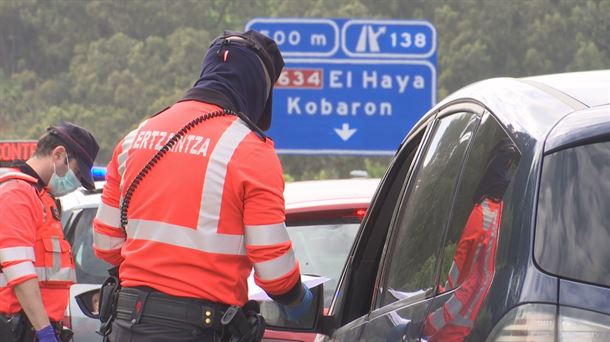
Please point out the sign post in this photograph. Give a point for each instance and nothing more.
(350, 87)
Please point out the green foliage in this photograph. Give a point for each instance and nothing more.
(109, 64)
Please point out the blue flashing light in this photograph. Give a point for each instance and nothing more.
(99, 173)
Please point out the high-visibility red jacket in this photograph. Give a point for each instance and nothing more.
(473, 269)
(32, 245)
(210, 210)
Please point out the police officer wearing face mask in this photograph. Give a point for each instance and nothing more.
(36, 267)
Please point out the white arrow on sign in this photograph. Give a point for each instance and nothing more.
(345, 132)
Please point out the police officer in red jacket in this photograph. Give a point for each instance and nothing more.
(36, 267)
(194, 202)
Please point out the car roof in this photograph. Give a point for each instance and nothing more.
(302, 194)
(329, 193)
(82, 198)
(591, 88)
(530, 107)
(582, 127)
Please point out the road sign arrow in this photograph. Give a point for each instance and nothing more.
(345, 132)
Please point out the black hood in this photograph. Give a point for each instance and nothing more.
(238, 73)
(496, 179)
(235, 71)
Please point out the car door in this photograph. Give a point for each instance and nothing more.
(90, 273)
(408, 276)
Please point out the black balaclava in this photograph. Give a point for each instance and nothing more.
(496, 178)
(235, 71)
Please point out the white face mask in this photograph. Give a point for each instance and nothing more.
(59, 186)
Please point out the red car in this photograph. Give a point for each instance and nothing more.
(322, 219)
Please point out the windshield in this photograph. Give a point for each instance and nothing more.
(321, 246)
(573, 223)
(322, 250)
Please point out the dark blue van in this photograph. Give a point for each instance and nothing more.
(491, 224)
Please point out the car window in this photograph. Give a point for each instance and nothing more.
(572, 230)
(89, 269)
(355, 293)
(485, 185)
(425, 209)
(322, 249)
(469, 252)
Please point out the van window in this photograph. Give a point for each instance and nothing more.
(425, 209)
(485, 186)
(572, 230)
(356, 293)
(469, 263)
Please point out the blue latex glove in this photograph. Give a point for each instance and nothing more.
(296, 312)
(47, 334)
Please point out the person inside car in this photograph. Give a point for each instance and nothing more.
(473, 265)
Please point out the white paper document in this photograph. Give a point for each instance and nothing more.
(256, 293)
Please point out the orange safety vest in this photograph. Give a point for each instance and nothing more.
(207, 213)
(32, 245)
(473, 267)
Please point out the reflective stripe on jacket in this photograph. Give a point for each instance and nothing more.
(472, 270)
(32, 245)
(207, 213)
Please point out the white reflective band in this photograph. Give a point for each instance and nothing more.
(56, 253)
(122, 157)
(462, 322)
(18, 270)
(106, 242)
(489, 217)
(437, 318)
(275, 268)
(454, 306)
(125, 147)
(266, 235)
(62, 274)
(214, 181)
(454, 274)
(43, 274)
(108, 215)
(201, 239)
(17, 253)
(487, 276)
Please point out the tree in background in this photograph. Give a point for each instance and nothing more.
(109, 64)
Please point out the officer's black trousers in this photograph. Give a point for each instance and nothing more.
(151, 331)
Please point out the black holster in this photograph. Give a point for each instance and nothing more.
(109, 293)
(244, 325)
(13, 328)
(17, 328)
(63, 334)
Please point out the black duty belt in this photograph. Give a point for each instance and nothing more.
(146, 305)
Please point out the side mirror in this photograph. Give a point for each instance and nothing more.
(89, 303)
(276, 319)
